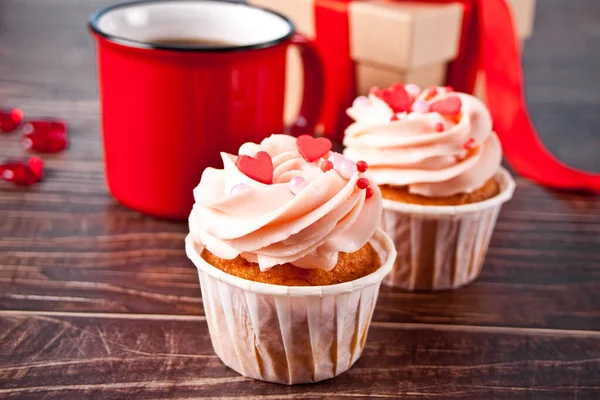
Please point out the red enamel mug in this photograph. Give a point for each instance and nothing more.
(181, 81)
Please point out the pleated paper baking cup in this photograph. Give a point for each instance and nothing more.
(289, 334)
(441, 247)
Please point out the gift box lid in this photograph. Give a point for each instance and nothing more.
(404, 35)
(407, 35)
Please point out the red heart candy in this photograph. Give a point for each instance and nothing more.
(259, 167)
(312, 148)
(450, 106)
(396, 97)
(45, 142)
(10, 120)
(23, 172)
(45, 126)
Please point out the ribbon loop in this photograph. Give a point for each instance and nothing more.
(488, 43)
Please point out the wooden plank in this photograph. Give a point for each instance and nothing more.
(541, 269)
(172, 287)
(99, 356)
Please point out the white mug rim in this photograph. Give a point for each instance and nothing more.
(94, 26)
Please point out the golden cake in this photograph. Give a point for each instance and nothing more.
(489, 189)
(350, 266)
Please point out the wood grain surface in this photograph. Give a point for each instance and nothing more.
(87, 355)
(99, 301)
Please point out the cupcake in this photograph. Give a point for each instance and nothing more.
(290, 258)
(437, 161)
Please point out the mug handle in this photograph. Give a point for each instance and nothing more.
(312, 98)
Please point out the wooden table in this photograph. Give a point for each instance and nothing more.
(98, 301)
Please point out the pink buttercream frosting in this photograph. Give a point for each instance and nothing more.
(405, 149)
(305, 222)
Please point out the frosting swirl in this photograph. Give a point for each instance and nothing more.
(422, 147)
(268, 224)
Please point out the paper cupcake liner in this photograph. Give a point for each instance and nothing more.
(441, 247)
(289, 334)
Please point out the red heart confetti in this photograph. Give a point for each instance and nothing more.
(45, 142)
(450, 106)
(312, 148)
(396, 97)
(258, 168)
(47, 135)
(10, 120)
(45, 126)
(23, 172)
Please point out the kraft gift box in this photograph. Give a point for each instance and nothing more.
(390, 41)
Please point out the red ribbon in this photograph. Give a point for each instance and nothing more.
(488, 43)
(333, 41)
(501, 61)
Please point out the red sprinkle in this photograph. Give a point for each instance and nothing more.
(439, 127)
(362, 183)
(362, 166)
(370, 193)
(326, 165)
(469, 144)
(449, 89)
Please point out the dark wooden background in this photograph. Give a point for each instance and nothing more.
(98, 301)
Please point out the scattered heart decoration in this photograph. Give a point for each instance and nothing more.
(258, 168)
(312, 149)
(40, 135)
(396, 97)
(23, 172)
(450, 106)
(45, 136)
